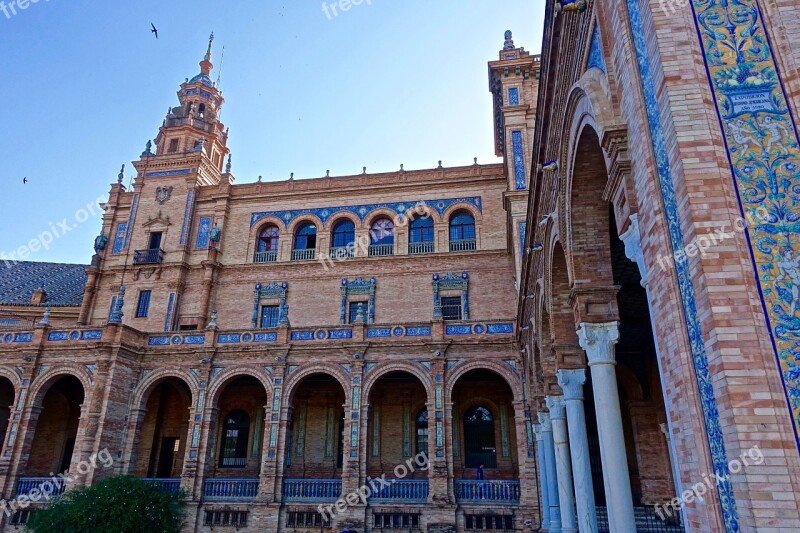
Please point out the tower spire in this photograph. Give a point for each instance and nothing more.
(205, 64)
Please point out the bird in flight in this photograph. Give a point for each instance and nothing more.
(154, 30)
(24, 180)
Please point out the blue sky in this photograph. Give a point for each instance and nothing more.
(84, 86)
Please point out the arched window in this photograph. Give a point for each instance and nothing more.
(382, 232)
(201, 109)
(479, 444)
(305, 242)
(344, 234)
(420, 236)
(268, 239)
(462, 232)
(422, 431)
(235, 432)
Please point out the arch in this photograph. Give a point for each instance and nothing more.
(14, 378)
(398, 219)
(268, 238)
(464, 224)
(304, 219)
(343, 230)
(562, 319)
(421, 229)
(461, 206)
(224, 378)
(146, 386)
(297, 377)
(338, 216)
(43, 382)
(382, 231)
(305, 236)
(630, 383)
(388, 367)
(479, 429)
(505, 372)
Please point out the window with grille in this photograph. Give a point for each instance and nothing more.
(353, 311)
(143, 307)
(269, 316)
(226, 518)
(489, 522)
(451, 308)
(422, 431)
(398, 521)
(233, 453)
(298, 519)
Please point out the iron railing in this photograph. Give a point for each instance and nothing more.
(487, 491)
(303, 255)
(647, 521)
(153, 256)
(341, 252)
(299, 490)
(230, 489)
(415, 248)
(44, 485)
(171, 484)
(381, 250)
(467, 245)
(402, 490)
(265, 257)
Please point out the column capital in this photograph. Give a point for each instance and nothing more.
(556, 406)
(544, 422)
(598, 340)
(633, 246)
(571, 382)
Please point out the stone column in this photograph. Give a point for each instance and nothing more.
(598, 340)
(633, 250)
(566, 494)
(571, 382)
(543, 480)
(552, 475)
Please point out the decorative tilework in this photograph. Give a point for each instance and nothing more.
(203, 233)
(131, 220)
(523, 228)
(229, 338)
(362, 211)
(449, 281)
(194, 339)
(23, 337)
(700, 359)
(358, 286)
(187, 216)
(765, 157)
(374, 333)
(519, 160)
(419, 331)
(458, 329)
(338, 334)
(57, 336)
(265, 337)
(170, 311)
(119, 238)
(596, 59)
(92, 335)
(160, 340)
(302, 336)
(513, 96)
(497, 329)
(167, 173)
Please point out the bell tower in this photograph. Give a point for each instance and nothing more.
(193, 129)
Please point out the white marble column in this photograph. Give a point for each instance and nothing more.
(543, 481)
(598, 340)
(550, 467)
(571, 382)
(633, 250)
(566, 494)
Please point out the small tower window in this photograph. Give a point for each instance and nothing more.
(201, 109)
(173, 146)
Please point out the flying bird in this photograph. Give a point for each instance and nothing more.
(154, 30)
(24, 181)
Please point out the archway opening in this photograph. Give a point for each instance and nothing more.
(163, 432)
(57, 428)
(7, 397)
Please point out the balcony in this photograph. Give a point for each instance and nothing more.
(303, 255)
(153, 256)
(416, 248)
(44, 485)
(341, 252)
(467, 245)
(230, 489)
(487, 491)
(265, 257)
(381, 250)
(164, 484)
(402, 490)
(311, 490)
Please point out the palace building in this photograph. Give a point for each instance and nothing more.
(599, 332)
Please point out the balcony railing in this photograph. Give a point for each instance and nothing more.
(153, 256)
(164, 484)
(230, 489)
(405, 490)
(467, 245)
(45, 485)
(487, 491)
(415, 248)
(647, 521)
(265, 257)
(300, 490)
(381, 250)
(303, 255)
(341, 252)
